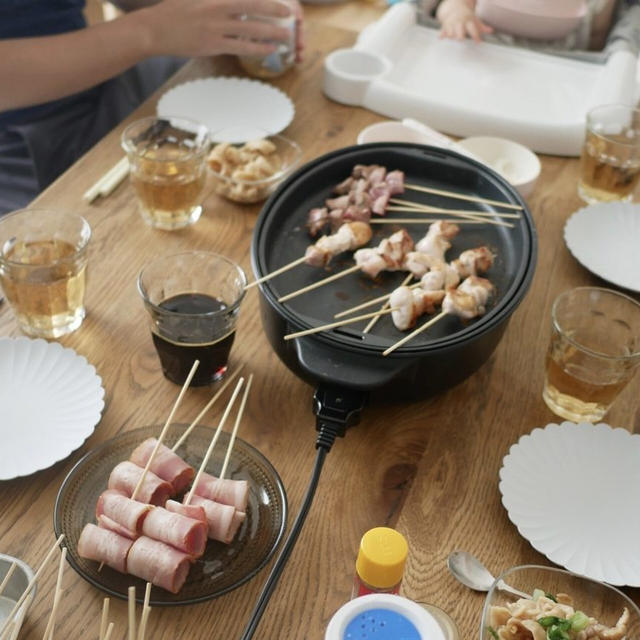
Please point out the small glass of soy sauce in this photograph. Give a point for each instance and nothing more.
(193, 299)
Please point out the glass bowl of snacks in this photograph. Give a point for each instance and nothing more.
(541, 603)
(249, 172)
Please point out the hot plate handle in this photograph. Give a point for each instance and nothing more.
(338, 407)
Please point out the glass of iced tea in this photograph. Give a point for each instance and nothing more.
(43, 263)
(610, 161)
(193, 300)
(594, 351)
(167, 169)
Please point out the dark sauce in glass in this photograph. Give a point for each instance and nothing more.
(181, 340)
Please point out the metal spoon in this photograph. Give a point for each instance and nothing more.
(468, 570)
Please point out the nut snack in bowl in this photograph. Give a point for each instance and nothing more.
(562, 606)
(250, 172)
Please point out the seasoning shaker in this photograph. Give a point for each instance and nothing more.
(380, 562)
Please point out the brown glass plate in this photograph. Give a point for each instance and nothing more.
(222, 567)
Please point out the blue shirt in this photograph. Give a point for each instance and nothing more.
(28, 18)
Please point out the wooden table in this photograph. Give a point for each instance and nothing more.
(429, 468)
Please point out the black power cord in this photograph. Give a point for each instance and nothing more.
(336, 410)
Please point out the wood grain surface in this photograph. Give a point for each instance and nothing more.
(429, 468)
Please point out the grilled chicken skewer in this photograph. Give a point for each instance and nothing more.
(467, 301)
(349, 236)
(389, 255)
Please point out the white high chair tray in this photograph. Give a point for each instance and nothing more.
(401, 69)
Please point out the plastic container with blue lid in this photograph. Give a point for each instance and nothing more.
(383, 617)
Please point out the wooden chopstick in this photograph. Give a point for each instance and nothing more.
(108, 182)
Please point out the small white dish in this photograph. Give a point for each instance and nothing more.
(50, 402)
(517, 164)
(15, 587)
(238, 104)
(392, 131)
(572, 492)
(603, 238)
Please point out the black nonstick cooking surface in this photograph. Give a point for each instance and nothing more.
(280, 236)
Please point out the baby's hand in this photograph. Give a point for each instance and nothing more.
(458, 20)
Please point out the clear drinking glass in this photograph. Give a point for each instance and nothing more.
(193, 300)
(283, 58)
(610, 162)
(594, 352)
(167, 169)
(43, 262)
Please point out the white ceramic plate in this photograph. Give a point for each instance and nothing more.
(248, 107)
(573, 491)
(50, 402)
(604, 239)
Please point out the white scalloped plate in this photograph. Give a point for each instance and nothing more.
(50, 402)
(573, 491)
(248, 107)
(604, 239)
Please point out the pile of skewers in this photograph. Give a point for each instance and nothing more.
(455, 286)
(141, 531)
(7, 628)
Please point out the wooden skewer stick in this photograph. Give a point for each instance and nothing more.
(414, 333)
(163, 433)
(370, 303)
(145, 612)
(460, 196)
(212, 444)
(467, 215)
(339, 323)
(208, 406)
(375, 319)
(429, 220)
(320, 283)
(57, 595)
(107, 636)
(104, 619)
(132, 613)
(7, 576)
(286, 267)
(410, 204)
(232, 439)
(33, 580)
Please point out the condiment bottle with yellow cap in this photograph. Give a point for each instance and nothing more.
(380, 563)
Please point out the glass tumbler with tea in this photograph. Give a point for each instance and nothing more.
(280, 60)
(43, 263)
(167, 169)
(610, 161)
(594, 352)
(193, 300)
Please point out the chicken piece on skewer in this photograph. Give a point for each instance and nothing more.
(473, 261)
(441, 276)
(469, 299)
(409, 304)
(389, 255)
(316, 220)
(436, 241)
(349, 236)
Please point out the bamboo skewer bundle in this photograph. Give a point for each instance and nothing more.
(214, 440)
(9, 620)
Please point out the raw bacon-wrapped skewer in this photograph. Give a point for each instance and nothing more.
(125, 477)
(348, 237)
(467, 301)
(166, 464)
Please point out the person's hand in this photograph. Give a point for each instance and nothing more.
(210, 27)
(458, 20)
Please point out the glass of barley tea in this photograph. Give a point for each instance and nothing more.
(43, 263)
(193, 300)
(167, 169)
(594, 351)
(610, 161)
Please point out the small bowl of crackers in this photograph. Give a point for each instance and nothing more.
(249, 172)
